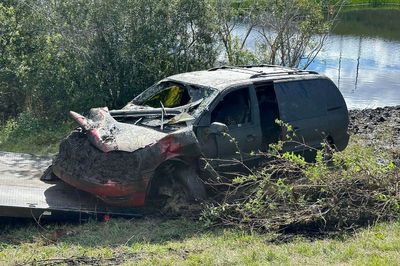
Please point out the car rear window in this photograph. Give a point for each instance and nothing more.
(301, 99)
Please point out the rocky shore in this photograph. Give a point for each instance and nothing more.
(379, 128)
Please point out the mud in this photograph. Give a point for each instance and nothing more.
(378, 128)
(78, 157)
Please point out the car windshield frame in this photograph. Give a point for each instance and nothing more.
(196, 92)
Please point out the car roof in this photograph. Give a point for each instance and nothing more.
(223, 77)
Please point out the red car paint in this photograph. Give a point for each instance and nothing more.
(113, 193)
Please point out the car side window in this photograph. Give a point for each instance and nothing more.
(234, 109)
(300, 100)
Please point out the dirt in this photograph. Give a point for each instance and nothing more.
(378, 128)
(79, 158)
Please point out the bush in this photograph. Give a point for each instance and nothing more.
(79, 54)
(32, 134)
(355, 187)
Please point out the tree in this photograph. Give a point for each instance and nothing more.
(77, 54)
(59, 55)
(289, 32)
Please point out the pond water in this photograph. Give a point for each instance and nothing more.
(362, 57)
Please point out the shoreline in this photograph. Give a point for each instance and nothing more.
(379, 129)
(362, 120)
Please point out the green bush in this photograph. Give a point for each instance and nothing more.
(78, 54)
(31, 134)
(355, 187)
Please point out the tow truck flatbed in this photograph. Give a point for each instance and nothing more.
(23, 194)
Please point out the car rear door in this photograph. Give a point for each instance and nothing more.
(302, 104)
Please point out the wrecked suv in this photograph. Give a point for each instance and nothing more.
(159, 141)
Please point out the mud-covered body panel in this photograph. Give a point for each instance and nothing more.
(117, 173)
(107, 134)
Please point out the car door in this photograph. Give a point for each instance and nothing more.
(238, 110)
(302, 104)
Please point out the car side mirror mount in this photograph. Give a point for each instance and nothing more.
(217, 128)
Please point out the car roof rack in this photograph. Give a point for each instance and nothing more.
(288, 72)
(242, 67)
(237, 68)
(260, 73)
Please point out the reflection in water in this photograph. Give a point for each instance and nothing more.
(375, 23)
(340, 59)
(362, 57)
(358, 64)
(367, 71)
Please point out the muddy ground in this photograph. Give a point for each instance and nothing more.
(379, 128)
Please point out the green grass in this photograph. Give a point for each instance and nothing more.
(156, 241)
(35, 135)
(181, 241)
(372, 2)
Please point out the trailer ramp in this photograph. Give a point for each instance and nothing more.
(23, 194)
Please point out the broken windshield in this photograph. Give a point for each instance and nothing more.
(171, 94)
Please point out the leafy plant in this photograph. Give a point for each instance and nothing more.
(351, 189)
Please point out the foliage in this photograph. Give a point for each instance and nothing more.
(30, 134)
(289, 32)
(355, 187)
(62, 55)
(228, 18)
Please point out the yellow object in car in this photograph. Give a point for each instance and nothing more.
(170, 97)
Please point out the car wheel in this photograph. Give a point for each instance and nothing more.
(174, 198)
(179, 192)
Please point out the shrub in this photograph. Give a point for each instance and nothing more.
(355, 187)
(32, 134)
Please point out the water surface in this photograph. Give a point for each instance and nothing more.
(362, 57)
(366, 70)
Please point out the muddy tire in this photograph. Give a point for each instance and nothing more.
(174, 199)
(177, 193)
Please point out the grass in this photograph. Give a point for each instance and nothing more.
(181, 241)
(34, 135)
(157, 241)
(372, 2)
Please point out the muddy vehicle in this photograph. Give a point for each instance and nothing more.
(178, 132)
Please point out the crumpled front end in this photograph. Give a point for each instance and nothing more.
(107, 134)
(116, 161)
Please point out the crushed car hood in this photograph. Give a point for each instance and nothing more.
(107, 134)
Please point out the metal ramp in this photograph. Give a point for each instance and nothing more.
(22, 194)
